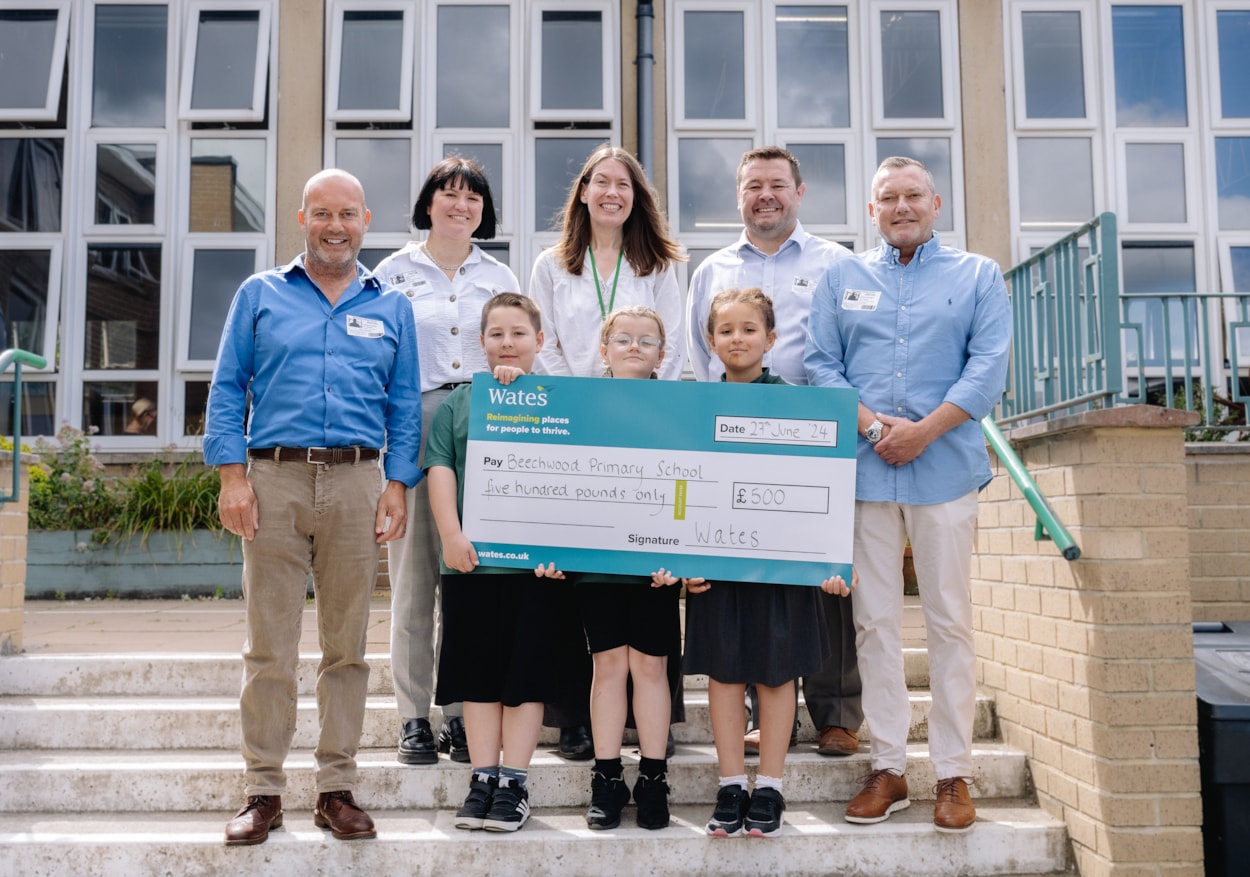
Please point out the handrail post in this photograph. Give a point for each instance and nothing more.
(18, 358)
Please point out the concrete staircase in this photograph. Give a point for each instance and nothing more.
(129, 765)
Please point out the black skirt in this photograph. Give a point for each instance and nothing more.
(741, 632)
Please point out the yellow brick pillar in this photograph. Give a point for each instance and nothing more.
(12, 555)
(1091, 662)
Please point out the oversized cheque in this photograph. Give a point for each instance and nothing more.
(746, 482)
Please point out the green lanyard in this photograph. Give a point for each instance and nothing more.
(603, 312)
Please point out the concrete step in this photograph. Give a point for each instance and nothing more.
(181, 722)
(1010, 838)
(204, 674)
(188, 780)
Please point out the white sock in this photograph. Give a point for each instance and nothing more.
(763, 782)
(740, 781)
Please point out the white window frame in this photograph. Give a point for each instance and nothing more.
(751, 27)
(1193, 180)
(401, 113)
(607, 109)
(949, 46)
(769, 58)
(856, 197)
(256, 111)
(55, 245)
(1225, 245)
(1214, 91)
(1090, 74)
(55, 72)
(1193, 105)
(507, 226)
(186, 277)
(97, 137)
(1097, 162)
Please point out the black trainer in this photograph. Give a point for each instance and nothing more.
(477, 804)
(509, 809)
(608, 796)
(651, 796)
(416, 743)
(732, 803)
(576, 744)
(452, 739)
(764, 815)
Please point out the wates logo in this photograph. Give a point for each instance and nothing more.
(504, 396)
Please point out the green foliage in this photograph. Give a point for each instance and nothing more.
(69, 491)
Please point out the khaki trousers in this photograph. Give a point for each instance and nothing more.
(312, 518)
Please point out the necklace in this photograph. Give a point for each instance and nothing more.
(594, 269)
(450, 269)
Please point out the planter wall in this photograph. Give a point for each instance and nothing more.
(68, 564)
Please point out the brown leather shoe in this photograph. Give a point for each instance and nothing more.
(954, 811)
(837, 741)
(251, 824)
(883, 793)
(338, 812)
(751, 742)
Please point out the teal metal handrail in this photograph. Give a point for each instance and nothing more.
(18, 358)
(1048, 523)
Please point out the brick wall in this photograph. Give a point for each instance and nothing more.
(1219, 529)
(1092, 662)
(12, 558)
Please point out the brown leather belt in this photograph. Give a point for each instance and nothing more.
(324, 456)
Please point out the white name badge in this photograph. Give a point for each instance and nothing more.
(860, 299)
(804, 285)
(363, 327)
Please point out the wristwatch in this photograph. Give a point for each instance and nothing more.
(873, 433)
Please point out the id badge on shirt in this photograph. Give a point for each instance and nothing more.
(362, 327)
(803, 286)
(860, 299)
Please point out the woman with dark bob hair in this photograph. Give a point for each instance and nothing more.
(615, 251)
(447, 278)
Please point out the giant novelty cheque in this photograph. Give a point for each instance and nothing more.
(744, 482)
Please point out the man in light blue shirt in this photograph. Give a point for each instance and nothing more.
(328, 356)
(775, 255)
(923, 332)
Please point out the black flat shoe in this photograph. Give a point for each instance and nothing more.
(452, 739)
(576, 743)
(416, 743)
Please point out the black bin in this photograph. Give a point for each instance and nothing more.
(1222, 660)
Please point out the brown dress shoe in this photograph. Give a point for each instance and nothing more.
(251, 824)
(837, 741)
(338, 812)
(954, 810)
(883, 793)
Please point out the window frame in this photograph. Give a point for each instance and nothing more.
(56, 67)
(1193, 179)
(507, 226)
(187, 248)
(607, 111)
(256, 111)
(97, 137)
(751, 24)
(54, 244)
(1023, 121)
(1225, 244)
(769, 61)
(404, 111)
(1211, 36)
(856, 186)
(949, 47)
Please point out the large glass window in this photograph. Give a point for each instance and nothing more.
(813, 80)
(128, 81)
(1160, 268)
(215, 277)
(382, 166)
(1155, 182)
(1232, 175)
(227, 185)
(125, 184)
(121, 407)
(1056, 181)
(911, 64)
(708, 170)
(31, 177)
(371, 64)
(823, 168)
(123, 307)
(491, 157)
(39, 415)
(1149, 46)
(24, 283)
(32, 58)
(1233, 34)
(571, 59)
(935, 154)
(714, 67)
(1054, 75)
(474, 84)
(225, 63)
(556, 164)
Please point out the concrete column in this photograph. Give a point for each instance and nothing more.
(1092, 662)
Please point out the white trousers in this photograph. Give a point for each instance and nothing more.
(941, 541)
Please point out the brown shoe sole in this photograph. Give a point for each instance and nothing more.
(321, 822)
(260, 839)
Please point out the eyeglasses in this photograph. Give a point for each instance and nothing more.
(624, 342)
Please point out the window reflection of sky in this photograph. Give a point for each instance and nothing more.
(129, 72)
(1155, 178)
(1232, 181)
(1149, 66)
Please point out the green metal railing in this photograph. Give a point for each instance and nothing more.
(1048, 523)
(18, 358)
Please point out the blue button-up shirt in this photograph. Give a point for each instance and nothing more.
(320, 376)
(908, 338)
